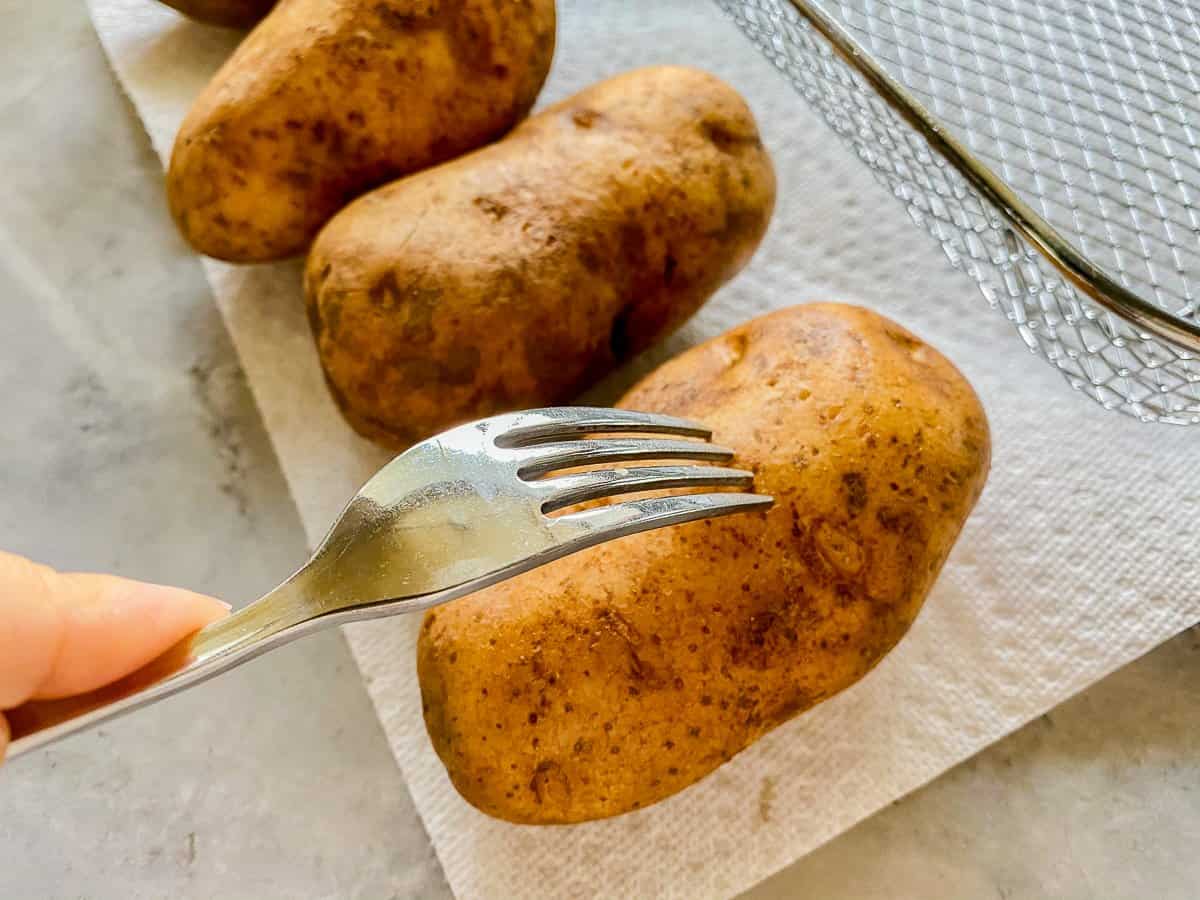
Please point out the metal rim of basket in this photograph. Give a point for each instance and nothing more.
(1061, 253)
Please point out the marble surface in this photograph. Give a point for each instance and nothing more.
(131, 444)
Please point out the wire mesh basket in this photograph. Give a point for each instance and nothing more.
(1052, 147)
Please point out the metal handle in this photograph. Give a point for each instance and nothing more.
(276, 619)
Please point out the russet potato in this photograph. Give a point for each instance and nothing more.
(611, 679)
(326, 99)
(518, 275)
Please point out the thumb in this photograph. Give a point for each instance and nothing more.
(63, 634)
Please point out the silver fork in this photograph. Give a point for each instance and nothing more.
(451, 515)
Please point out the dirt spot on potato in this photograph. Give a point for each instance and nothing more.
(404, 20)
(641, 670)
(855, 486)
(770, 629)
(493, 209)
(839, 549)
(669, 266)
(298, 179)
(590, 257)
(797, 701)
(738, 224)
(585, 118)
(384, 294)
(472, 42)
(415, 302)
(724, 138)
(901, 522)
(550, 784)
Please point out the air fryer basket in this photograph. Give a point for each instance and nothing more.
(1052, 147)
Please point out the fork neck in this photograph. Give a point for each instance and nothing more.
(263, 621)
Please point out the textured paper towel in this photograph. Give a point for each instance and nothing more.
(1079, 558)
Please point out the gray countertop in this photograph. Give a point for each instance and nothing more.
(131, 444)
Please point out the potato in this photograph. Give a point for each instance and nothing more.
(518, 275)
(326, 99)
(611, 679)
(230, 13)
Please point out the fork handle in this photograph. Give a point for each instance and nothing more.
(275, 619)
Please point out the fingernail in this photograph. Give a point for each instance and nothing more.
(228, 606)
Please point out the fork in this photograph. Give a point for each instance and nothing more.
(451, 515)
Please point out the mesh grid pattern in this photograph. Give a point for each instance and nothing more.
(1088, 109)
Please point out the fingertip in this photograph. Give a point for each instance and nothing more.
(5, 736)
(186, 605)
(113, 627)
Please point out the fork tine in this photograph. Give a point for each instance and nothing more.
(570, 421)
(594, 526)
(543, 458)
(567, 490)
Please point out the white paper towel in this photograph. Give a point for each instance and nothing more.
(1079, 558)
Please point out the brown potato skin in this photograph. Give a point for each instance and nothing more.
(518, 275)
(611, 679)
(228, 13)
(326, 99)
